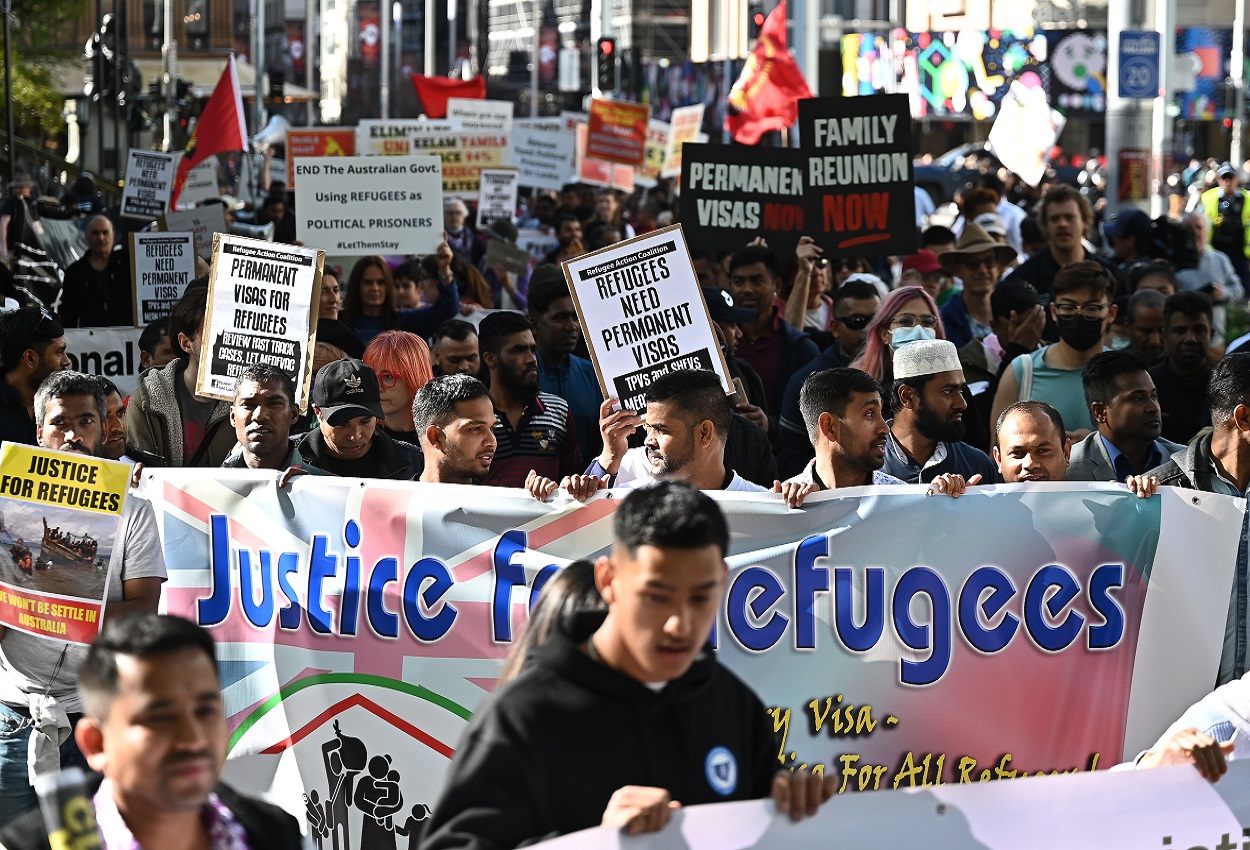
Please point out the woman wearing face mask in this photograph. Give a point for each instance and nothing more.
(906, 315)
(1082, 309)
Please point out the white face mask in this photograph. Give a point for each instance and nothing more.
(901, 336)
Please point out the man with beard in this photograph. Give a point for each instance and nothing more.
(454, 349)
(455, 419)
(32, 347)
(262, 413)
(1082, 309)
(1182, 377)
(534, 429)
(1125, 406)
(38, 677)
(569, 235)
(925, 434)
(687, 425)
(560, 371)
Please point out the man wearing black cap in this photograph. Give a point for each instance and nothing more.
(348, 403)
(1130, 233)
(1225, 207)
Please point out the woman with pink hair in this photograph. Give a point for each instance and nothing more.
(906, 315)
(402, 363)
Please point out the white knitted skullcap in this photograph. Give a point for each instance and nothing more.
(926, 357)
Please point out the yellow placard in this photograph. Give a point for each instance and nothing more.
(63, 479)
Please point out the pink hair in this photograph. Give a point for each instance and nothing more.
(403, 353)
(877, 359)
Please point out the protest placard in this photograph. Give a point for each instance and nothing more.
(642, 312)
(733, 193)
(542, 152)
(1024, 131)
(111, 352)
(60, 515)
(200, 186)
(149, 179)
(685, 122)
(497, 196)
(617, 131)
(600, 172)
(161, 266)
(262, 308)
(474, 114)
(513, 259)
(316, 141)
(370, 205)
(202, 221)
(653, 160)
(537, 243)
(860, 190)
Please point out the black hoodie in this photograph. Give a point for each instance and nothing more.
(545, 753)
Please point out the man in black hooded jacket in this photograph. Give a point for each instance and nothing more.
(622, 717)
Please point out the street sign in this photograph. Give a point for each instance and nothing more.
(1139, 64)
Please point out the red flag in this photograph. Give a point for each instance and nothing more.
(434, 92)
(221, 128)
(766, 95)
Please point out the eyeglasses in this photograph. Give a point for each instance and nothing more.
(907, 320)
(386, 380)
(1089, 311)
(854, 322)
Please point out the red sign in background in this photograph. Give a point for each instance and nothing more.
(49, 615)
(618, 131)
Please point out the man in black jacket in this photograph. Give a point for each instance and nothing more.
(681, 729)
(155, 727)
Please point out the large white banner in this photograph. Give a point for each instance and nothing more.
(111, 352)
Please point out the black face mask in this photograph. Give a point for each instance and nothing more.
(1080, 332)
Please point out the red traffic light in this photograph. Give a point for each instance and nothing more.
(605, 47)
(759, 19)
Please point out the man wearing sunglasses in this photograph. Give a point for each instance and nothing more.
(32, 347)
(1224, 205)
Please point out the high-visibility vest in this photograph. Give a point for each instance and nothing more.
(1211, 206)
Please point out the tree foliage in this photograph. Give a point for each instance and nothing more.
(39, 30)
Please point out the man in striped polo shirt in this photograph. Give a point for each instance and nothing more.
(534, 429)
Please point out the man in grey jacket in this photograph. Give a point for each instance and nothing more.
(1124, 405)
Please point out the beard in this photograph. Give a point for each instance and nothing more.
(934, 427)
(522, 386)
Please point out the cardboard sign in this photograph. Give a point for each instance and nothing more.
(318, 141)
(497, 196)
(370, 205)
(1024, 131)
(161, 266)
(200, 186)
(599, 172)
(474, 114)
(860, 189)
(62, 514)
(262, 308)
(657, 145)
(685, 122)
(376, 137)
(543, 152)
(202, 221)
(732, 193)
(149, 179)
(642, 311)
(499, 253)
(618, 131)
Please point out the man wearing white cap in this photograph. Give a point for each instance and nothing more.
(926, 433)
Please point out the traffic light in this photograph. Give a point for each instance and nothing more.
(605, 65)
(755, 19)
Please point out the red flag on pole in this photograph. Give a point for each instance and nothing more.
(434, 92)
(221, 128)
(766, 96)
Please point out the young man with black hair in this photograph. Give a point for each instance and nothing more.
(534, 429)
(569, 236)
(774, 348)
(1185, 372)
(561, 372)
(455, 419)
(687, 425)
(1145, 325)
(454, 349)
(682, 729)
(155, 347)
(166, 418)
(155, 728)
(1219, 462)
(114, 446)
(1125, 407)
(38, 675)
(262, 414)
(32, 347)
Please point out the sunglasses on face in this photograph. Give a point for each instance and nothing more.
(854, 322)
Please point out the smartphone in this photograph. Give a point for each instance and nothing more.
(740, 396)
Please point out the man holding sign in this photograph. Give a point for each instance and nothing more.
(38, 674)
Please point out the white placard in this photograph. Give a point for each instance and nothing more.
(476, 114)
(149, 179)
(111, 352)
(496, 198)
(201, 184)
(161, 266)
(1024, 131)
(685, 121)
(643, 315)
(356, 205)
(536, 242)
(262, 306)
(543, 152)
(391, 137)
(202, 221)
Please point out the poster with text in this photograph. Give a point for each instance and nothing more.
(860, 193)
(316, 141)
(1024, 131)
(393, 137)
(542, 152)
(262, 308)
(685, 122)
(497, 197)
(657, 145)
(161, 266)
(111, 352)
(600, 172)
(617, 131)
(642, 311)
(475, 114)
(60, 514)
(370, 205)
(200, 186)
(203, 222)
(149, 179)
